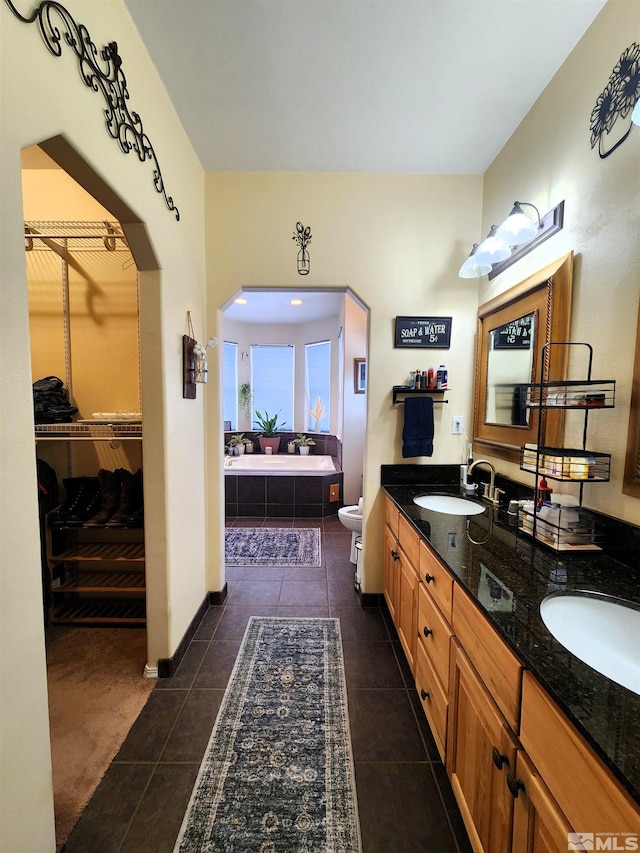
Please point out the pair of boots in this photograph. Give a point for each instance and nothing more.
(121, 499)
(112, 499)
(81, 502)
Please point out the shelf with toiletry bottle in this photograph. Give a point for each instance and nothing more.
(422, 382)
(563, 523)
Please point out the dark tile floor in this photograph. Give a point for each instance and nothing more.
(404, 797)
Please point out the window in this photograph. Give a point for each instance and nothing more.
(230, 384)
(317, 383)
(272, 375)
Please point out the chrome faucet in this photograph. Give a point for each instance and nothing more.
(491, 494)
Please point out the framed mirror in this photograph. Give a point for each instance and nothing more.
(512, 330)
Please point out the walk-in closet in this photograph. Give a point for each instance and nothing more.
(83, 311)
(85, 360)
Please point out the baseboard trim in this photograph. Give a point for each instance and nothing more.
(218, 597)
(370, 599)
(150, 671)
(168, 666)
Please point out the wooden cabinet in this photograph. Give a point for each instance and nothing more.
(407, 612)
(481, 749)
(579, 781)
(434, 633)
(434, 698)
(391, 572)
(539, 826)
(437, 578)
(496, 664)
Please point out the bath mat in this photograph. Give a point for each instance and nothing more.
(272, 546)
(278, 774)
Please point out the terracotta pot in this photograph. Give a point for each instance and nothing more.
(273, 443)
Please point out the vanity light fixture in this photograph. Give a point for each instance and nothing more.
(240, 300)
(635, 115)
(492, 250)
(471, 268)
(296, 302)
(517, 227)
(518, 235)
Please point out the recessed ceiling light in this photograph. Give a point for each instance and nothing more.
(240, 300)
(296, 301)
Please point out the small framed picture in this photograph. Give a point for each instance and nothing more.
(359, 375)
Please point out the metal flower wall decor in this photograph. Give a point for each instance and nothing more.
(616, 100)
(302, 237)
(102, 72)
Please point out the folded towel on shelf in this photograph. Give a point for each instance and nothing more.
(417, 433)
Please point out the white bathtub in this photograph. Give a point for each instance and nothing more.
(281, 463)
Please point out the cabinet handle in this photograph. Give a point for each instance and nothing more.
(428, 578)
(514, 785)
(424, 695)
(395, 556)
(426, 631)
(499, 759)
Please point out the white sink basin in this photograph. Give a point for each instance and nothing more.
(603, 632)
(449, 504)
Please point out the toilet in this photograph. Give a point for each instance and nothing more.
(351, 518)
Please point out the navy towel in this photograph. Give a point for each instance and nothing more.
(417, 435)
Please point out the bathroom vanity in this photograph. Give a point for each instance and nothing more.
(536, 743)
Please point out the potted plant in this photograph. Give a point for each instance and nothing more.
(238, 442)
(304, 442)
(268, 427)
(245, 399)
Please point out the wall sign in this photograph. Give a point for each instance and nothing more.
(514, 335)
(423, 332)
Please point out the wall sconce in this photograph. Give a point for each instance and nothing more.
(194, 361)
(513, 239)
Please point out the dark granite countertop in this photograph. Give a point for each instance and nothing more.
(509, 575)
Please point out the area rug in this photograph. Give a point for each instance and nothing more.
(272, 546)
(277, 775)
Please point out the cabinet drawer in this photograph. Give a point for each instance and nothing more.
(433, 699)
(437, 578)
(409, 540)
(496, 664)
(580, 782)
(434, 634)
(391, 514)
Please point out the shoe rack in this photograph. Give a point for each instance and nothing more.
(96, 571)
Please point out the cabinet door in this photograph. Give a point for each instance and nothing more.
(407, 617)
(481, 749)
(438, 579)
(434, 634)
(538, 824)
(432, 697)
(391, 573)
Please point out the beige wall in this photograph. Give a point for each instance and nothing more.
(397, 242)
(548, 159)
(43, 97)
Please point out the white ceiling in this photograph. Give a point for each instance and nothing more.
(383, 86)
(274, 306)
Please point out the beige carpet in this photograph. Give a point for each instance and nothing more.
(96, 691)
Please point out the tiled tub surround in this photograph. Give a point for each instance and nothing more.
(607, 714)
(283, 496)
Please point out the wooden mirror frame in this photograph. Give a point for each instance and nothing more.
(631, 481)
(547, 294)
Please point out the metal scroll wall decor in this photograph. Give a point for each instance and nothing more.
(617, 100)
(302, 237)
(102, 72)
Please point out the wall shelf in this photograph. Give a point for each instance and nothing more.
(413, 392)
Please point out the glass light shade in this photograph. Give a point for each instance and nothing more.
(635, 115)
(517, 229)
(492, 250)
(471, 268)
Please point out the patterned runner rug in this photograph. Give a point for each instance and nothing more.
(272, 546)
(277, 775)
